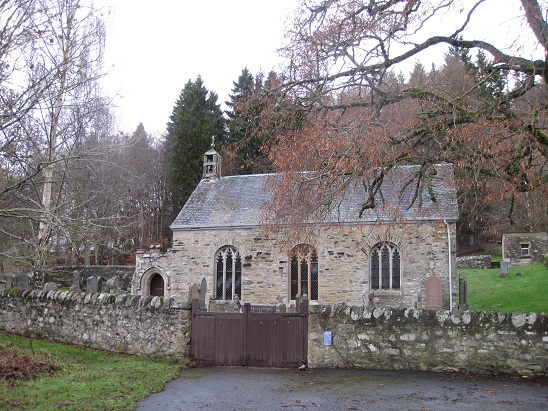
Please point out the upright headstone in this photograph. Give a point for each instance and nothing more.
(194, 292)
(434, 299)
(22, 281)
(202, 293)
(113, 285)
(10, 281)
(50, 287)
(76, 279)
(504, 268)
(94, 284)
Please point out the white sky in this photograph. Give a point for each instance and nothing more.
(153, 48)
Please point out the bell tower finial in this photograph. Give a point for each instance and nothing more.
(212, 163)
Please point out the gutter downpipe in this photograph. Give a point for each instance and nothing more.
(450, 266)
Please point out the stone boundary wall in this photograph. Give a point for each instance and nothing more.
(474, 261)
(385, 338)
(374, 338)
(64, 276)
(150, 326)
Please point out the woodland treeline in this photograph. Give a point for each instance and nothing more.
(75, 191)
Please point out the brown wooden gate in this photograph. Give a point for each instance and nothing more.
(254, 339)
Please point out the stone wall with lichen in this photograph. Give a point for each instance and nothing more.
(474, 261)
(387, 338)
(375, 338)
(134, 325)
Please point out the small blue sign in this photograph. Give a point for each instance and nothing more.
(327, 338)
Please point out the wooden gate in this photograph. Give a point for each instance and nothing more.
(252, 338)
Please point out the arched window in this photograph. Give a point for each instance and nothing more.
(228, 274)
(385, 267)
(157, 285)
(304, 272)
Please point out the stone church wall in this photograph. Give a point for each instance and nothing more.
(343, 260)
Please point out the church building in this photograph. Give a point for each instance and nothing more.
(398, 254)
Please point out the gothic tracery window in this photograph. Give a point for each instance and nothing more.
(304, 272)
(385, 267)
(228, 274)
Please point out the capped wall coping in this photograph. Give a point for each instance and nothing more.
(99, 299)
(442, 317)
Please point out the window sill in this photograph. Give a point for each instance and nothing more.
(385, 292)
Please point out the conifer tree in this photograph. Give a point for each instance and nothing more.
(196, 118)
(239, 119)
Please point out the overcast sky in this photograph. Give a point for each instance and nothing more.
(153, 48)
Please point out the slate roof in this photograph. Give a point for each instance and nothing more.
(235, 201)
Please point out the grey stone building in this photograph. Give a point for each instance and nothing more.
(394, 255)
(524, 248)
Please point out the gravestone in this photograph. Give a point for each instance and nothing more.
(50, 287)
(202, 293)
(77, 279)
(113, 285)
(22, 281)
(194, 292)
(504, 268)
(434, 299)
(94, 284)
(10, 282)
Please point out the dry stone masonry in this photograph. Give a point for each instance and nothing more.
(389, 338)
(376, 338)
(150, 326)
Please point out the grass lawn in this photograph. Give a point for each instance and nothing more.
(488, 291)
(77, 378)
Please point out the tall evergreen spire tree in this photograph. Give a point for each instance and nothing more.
(195, 119)
(238, 122)
(259, 113)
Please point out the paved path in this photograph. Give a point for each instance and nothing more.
(260, 389)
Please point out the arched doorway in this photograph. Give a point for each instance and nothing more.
(157, 285)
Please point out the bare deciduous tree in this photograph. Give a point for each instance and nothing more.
(342, 62)
(50, 63)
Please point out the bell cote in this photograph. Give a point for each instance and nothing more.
(212, 163)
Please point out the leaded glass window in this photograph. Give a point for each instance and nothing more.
(304, 272)
(228, 274)
(385, 267)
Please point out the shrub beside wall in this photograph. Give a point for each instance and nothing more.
(134, 325)
(385, 338)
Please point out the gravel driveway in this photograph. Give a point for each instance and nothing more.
(227, 388)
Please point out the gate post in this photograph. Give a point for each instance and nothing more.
(303, 309)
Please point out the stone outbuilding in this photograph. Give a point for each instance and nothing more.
(524, 248)
(394, 255)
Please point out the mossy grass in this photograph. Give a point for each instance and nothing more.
(86, 379)
(524, 290)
